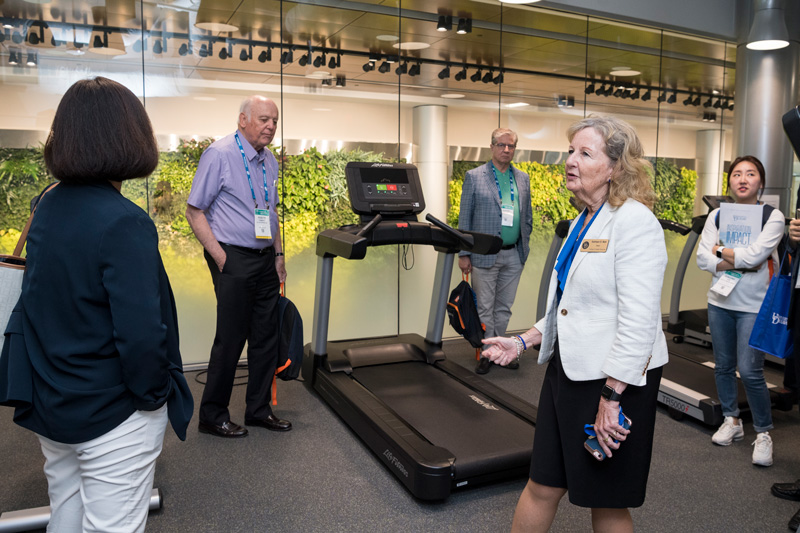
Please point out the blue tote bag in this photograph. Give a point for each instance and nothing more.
(770, 332)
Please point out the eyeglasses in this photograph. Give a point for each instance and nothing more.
(503, 146)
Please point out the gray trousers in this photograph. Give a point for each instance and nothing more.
(495, 289)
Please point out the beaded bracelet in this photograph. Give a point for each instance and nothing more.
(524, 346)
(518, 343)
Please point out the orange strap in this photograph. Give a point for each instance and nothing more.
(465, 276)
(477, 354)
(274, 390)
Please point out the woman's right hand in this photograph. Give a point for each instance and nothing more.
(501, 350)
(794, 231)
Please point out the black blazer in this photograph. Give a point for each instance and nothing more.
(94, 336)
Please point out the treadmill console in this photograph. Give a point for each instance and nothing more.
(384, 188)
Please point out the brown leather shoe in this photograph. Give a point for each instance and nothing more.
(228, 429)
(272, 423)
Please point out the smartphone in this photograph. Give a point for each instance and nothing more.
(797, 213)
(593, 447)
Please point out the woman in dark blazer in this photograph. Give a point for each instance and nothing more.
(91, 359)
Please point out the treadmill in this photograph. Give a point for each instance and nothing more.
(435, 425)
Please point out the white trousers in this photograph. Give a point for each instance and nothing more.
(495, 289)
(104, 485)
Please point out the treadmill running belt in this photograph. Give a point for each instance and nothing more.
(483, 437)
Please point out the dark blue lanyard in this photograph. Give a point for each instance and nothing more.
(247, 171)
(510, 181)
(567, 254)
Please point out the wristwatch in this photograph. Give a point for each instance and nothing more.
(719, 251)
(610, 394)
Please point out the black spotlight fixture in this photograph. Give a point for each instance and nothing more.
(319, 60)
(32, 59)
(13, 58)
(244, 55)
(374, 58)
(718, 103)
(327, 81)
(708, 103)
(402, 69)
(444, 73)
(186, 49)
(673, 97)
(688, 100)
(589, 88)
(368, 66)
(287, 56)
(139, 46)
(384, 68)
(646, 96)
(35, 38)
(635, 94)
(206, 51)
(225, 52)
(601, 90)
(618, 92)
(476, 77)
(341, 81)
(265, 55)
(158, 47)
(488, 76)
(662, 97)
(415, 69)
(332, 62)
(461, 74)
(696, 101)
(570, 101)
(498, 79)
(626, 93)
(303, 61)
(464, 26)
(445, 23)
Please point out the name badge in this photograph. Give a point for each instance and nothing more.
(727, 282)
(508, 215)
(263, 227)
(594, 245)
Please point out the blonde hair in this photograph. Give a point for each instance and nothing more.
(499, 132)
(623, 147)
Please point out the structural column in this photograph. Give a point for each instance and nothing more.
(709, 167)
(767, 86)
(429, 132)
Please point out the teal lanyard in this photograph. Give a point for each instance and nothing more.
(510, 183)
(247, 171)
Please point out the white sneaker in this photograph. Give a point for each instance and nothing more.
(728, 432)
(762, 451)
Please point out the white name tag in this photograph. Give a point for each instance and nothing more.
(508, 215)
(726, 282)
(263, 227)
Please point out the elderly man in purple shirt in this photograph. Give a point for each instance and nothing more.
(231, 210)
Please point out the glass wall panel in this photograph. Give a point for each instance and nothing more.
(372, 80)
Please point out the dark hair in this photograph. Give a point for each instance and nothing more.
(101, 132)
(750, 159)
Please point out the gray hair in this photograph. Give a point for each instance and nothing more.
(247, 105)
(499, 132)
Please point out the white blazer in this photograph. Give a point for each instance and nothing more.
(609, 320)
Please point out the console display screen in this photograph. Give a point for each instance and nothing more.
(384, 187)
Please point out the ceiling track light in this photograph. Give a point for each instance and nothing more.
(499, 78)
(462, 74)
(646, 96)
(708, 103)
(488, 77)
(601, 90)
(673, 97)
(160, 45)
(36, 38)
(476, 77)
(244, 55)
(265, 55)
(368, 66)
(227, 52)
(464, 26)
(618, 92)
(589, 88)
(445, 23)
(206, 50)
(385, 67)
(374, 58)
(335, 61)
(444, 73)
(402, 69)
(303, 61)
(635, 94)
(341, 81)
(696, 101)
(662, 97)
(688, 100)
(415, 69)
(718, 103)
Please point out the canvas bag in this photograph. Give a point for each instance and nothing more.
(12, 269)
(770, 332)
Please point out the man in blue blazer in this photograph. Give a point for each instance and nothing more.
(496, 199)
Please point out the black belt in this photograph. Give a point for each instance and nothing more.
(259, 251)
(509, 246)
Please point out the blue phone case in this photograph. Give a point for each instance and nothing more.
(593, 447)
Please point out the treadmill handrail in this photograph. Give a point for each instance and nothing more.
(468, 240)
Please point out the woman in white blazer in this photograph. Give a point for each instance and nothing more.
(601, 335)
(731, 316)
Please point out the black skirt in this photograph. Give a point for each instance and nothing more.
(559, 458)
